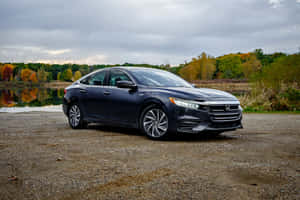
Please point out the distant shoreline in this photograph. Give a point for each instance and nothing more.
(22, 84)
(229, 85)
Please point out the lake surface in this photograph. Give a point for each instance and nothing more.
(30, 97)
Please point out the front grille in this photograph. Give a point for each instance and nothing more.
(224, 113)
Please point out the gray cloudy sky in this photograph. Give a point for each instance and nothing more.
(143, 31)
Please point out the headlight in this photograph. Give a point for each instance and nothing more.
(184, 103)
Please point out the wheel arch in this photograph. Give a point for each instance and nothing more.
(149, 102)
(71, 101)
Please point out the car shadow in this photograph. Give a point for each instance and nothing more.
(201, 137)
(178, 137)
(115, 130)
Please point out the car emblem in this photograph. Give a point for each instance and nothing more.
(227, 107)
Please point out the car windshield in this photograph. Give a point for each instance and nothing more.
(158, 78)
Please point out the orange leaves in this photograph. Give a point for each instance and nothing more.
(29, 95)
(28, 75)
(245, 56)
(25, 74)
(33, 77)
(7, 99)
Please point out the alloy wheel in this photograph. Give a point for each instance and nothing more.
(74, 115)
(155, 123)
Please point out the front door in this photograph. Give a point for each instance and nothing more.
(122, 101)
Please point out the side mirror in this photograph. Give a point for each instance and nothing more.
(126, 84)
(193, 84)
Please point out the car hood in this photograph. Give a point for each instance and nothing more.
(203, 93)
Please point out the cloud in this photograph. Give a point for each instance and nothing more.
(58, 52)
(88, 60)
(275, 3)
(151, 31)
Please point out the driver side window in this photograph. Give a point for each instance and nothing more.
(117, 75)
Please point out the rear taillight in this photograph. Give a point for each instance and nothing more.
(65, 91)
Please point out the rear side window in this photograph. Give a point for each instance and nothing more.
(117, 75)
(95, 79)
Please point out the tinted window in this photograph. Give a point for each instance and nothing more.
(117, 75)
(95, 79)
(158, 78)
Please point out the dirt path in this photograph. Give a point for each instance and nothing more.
(42, 158)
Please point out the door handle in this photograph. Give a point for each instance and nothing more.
(106, 92)
(83, 91)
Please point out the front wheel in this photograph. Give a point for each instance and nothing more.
(154, 122)
(75, 117)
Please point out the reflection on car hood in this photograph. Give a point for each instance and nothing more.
(204, 93)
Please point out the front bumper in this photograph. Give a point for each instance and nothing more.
(210, 119)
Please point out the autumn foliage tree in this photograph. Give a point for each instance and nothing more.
(207, 67)
(190, 71)
(7, 72)
(77, 75)
(202, 67)
(67, 75)
(251, 65)
(33, 77)
(28, 75)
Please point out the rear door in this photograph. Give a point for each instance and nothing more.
(92, 95)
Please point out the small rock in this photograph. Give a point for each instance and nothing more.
(58, 159)
(12, 178)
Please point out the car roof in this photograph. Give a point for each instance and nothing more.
(130, 68)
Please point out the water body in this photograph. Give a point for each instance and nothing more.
(31, 99)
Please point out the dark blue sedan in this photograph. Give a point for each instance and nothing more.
(155, 101)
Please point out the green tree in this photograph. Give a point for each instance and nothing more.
(285, 70)
(67, 75)
(59, 76)
(42, 75)
(230, 66)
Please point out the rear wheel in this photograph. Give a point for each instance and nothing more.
(75, 117)
(154, 122)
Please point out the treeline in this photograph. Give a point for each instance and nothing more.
(250, 65)
(40, 72)
(230, 66)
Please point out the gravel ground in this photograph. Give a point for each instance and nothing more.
(42, 158)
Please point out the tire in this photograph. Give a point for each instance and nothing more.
(75, 117)
(154, 122)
